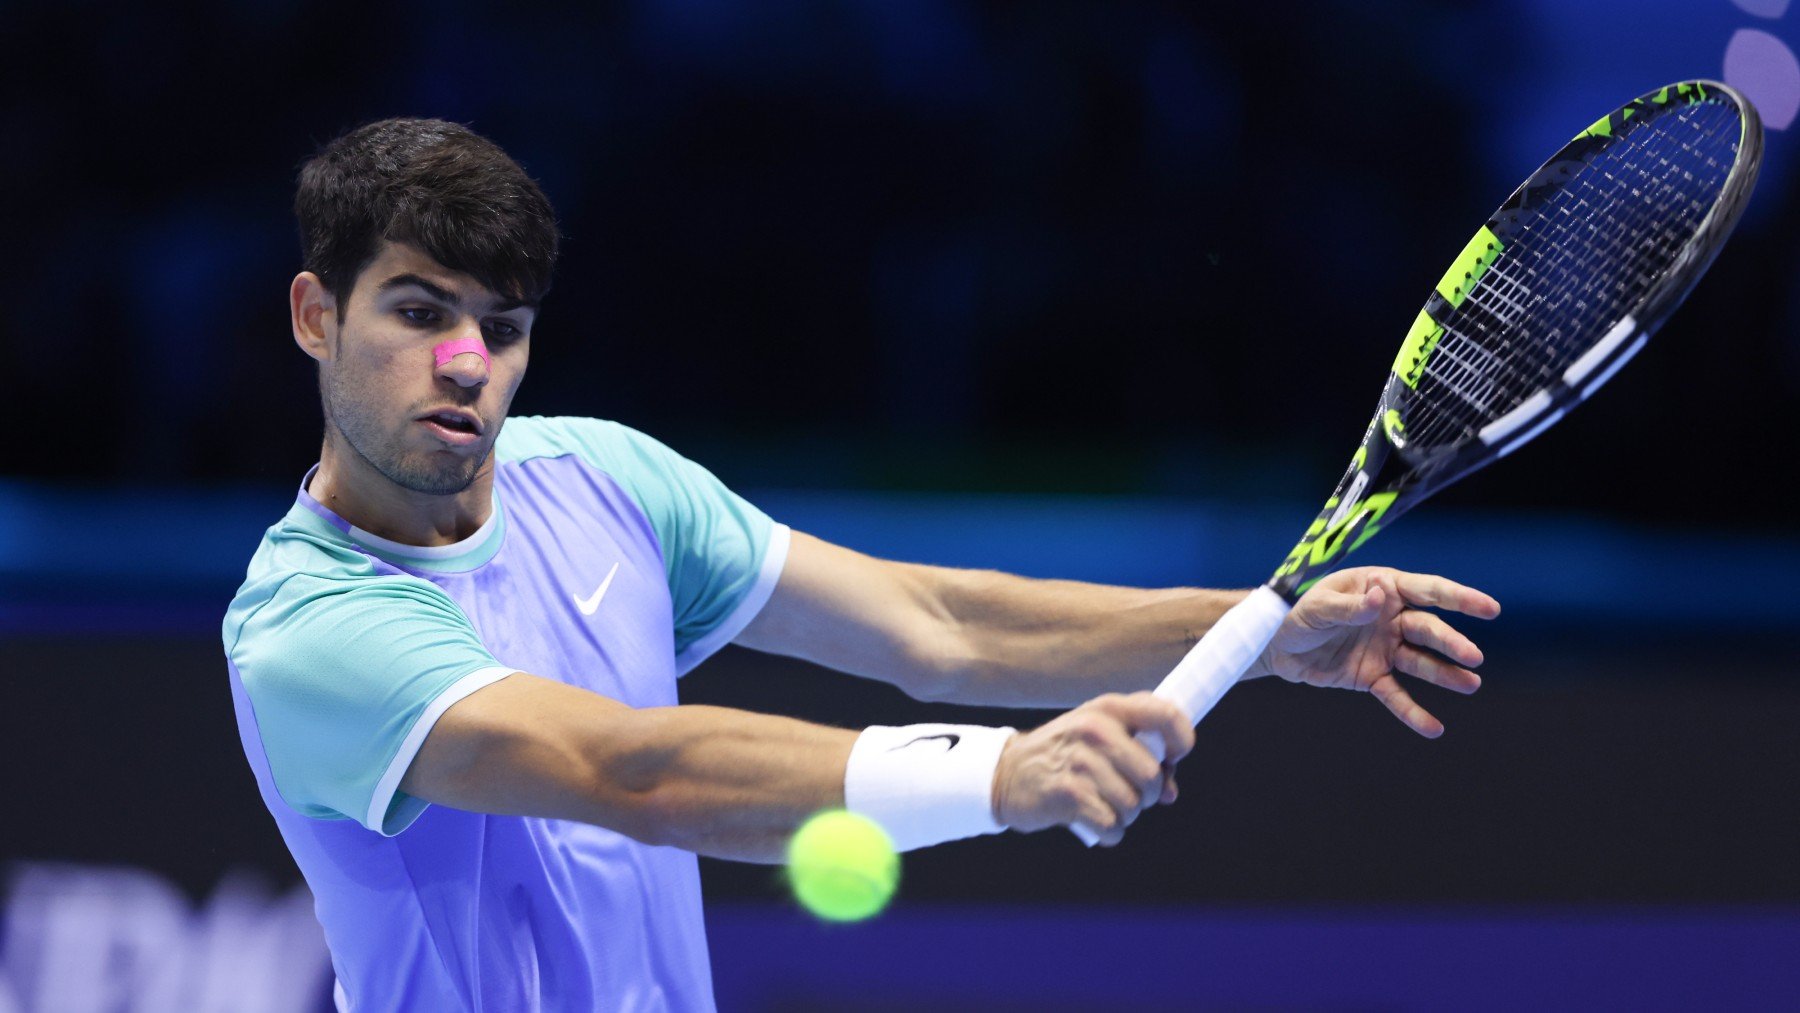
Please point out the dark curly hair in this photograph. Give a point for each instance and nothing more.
(435, 185)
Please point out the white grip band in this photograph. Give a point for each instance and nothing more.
(926, 784)
(1213, 666)
(1227, 651)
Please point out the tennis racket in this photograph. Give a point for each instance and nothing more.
(1561, 287)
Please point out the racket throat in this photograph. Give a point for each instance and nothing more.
(1359, 484)
(1351, 516)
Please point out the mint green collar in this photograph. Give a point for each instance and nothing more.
(457, 557)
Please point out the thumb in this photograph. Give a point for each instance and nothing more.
(1326, 609)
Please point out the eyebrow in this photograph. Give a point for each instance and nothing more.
(443, 294)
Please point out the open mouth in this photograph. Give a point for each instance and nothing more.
(454, 422)
(454, 426)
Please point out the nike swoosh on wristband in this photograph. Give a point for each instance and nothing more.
(588, 605)
(949, 737)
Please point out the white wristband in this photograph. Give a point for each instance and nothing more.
(926, 784)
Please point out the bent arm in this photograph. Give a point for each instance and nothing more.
(719, 782)
(977, 636)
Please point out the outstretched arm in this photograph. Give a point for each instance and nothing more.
(975, 636)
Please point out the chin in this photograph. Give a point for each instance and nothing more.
(434, 478)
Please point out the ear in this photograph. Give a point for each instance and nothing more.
(314, 313)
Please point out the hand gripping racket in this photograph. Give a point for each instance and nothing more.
(1563, 285)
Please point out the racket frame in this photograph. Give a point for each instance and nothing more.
(1386, 476)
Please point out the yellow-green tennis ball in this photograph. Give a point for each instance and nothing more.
(842, 866)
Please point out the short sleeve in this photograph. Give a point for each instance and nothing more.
(722, 554)
(346, 677)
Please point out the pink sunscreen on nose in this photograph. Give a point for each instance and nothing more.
(451, 349)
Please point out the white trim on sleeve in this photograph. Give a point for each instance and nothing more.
(409, 747)
(774, 558)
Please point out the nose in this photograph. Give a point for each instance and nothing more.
(463, 360)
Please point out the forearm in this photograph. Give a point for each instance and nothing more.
(725, 783)
(1055, 643)
(977, 636)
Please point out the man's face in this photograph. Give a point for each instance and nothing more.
(429, 428)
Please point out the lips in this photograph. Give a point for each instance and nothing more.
(455, 419)
(455, 426)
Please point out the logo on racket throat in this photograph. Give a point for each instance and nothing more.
(1340, 528)
(1357, 485)
(1395, 427)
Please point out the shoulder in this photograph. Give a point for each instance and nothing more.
(289, 553)
(646, 468)
(301, 586)
(599, 441)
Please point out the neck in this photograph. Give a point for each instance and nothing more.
(349, 486)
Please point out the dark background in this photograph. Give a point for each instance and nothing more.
(905, 273)
(1160, 248)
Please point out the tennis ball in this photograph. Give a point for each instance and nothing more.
(842, 866)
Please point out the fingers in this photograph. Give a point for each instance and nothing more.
(1123, 796)
(1087, 768)
(1102, 798)
(1110, 777)
(1147, 712)
(1435, 670)
(1432, 650)
(1114, 739)
(1394, 697)
(1439, 592)
(1428, 631)
(1327, 609)
(1101, 815)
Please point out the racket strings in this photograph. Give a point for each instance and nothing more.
(1597, 246)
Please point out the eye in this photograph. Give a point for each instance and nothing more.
(419, 315)
(503, 332)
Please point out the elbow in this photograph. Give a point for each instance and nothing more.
(947, 655)
(627, 787)
(650, 814)
(656, 818)
(940, 672)
(645, 794)
(934, 688)
(929, 691)
(675, 816)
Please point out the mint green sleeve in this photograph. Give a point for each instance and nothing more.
(722, 555)
(346, 676)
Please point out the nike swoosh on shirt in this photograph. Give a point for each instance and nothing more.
(589, 604)
(949, 737)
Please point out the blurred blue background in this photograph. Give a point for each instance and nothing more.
(1100, 291)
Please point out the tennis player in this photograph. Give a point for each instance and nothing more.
(454, 660)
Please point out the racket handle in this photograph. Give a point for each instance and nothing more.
(1213, 666)
(1227, 651)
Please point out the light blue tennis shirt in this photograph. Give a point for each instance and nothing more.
(609, 563)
